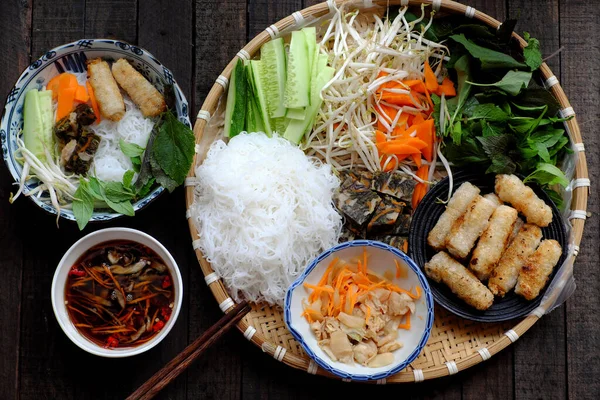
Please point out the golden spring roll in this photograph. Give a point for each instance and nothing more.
(456, 207)
(468, 227)
(494, 199)
(462, 282)
(516, 228)
(504, 277)
(512, 190)
(142, 92)
(493, 241)
(106, 91)
(537, 269)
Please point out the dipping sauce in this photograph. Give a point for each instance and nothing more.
(119, 294)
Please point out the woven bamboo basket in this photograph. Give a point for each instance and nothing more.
(455, 344)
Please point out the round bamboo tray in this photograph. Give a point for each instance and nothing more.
(455, 344)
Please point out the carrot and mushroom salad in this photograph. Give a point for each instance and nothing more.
(356, 314)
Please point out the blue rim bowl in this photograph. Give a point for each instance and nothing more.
(414, 340)
(71, 57)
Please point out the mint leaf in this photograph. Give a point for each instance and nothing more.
(116, 192)
(488, 129)
(122, 207)
(127, 178)
(488, 112)
(547, 174)
(173, 149)
(532, 53)
(83, 204)
(490, 59)
(96, 189)
(130, 149)
(146, 188)
(511, 83)
(137, 163)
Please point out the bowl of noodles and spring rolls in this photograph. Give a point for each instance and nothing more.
(492, 249)
(96, 129)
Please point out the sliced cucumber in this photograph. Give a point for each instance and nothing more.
(47, 113)
(254, 121)
(258, 87)
(279, 125)
(297, 128)
(310, 34)
(273, 72)
(235, 110)
(35, 134)
(296, 113)
(297, 86)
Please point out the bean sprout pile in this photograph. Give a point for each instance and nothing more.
(367, 51)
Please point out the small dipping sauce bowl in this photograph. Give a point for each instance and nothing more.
(61, 275)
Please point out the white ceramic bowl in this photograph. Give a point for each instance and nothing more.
(381, 259)
(73, 254)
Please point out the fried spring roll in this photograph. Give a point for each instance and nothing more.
(512, 190)
(468, 227)
(537, 269)
(456, 207)
(494, 199)
(516, 228)
(106, 91)
(142, 92)
(462, 282)
(504, 277)
(493, 241)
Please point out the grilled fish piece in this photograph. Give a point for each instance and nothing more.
(396, 184)
(357, 204)
(386, 215)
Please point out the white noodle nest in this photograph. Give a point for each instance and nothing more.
(263, 211)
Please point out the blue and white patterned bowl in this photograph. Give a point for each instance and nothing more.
(381, 259)
(72, 57)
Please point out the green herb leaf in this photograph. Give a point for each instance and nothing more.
(511, 83)
(161, 177)
(532, 53)
(173, 149)
(83, 204)
(456, 133)
(137, 163)
(96, 188)
(122, 207)
(555, 197)
(547, 174)
(127, 178)
(130, 149)
(146, 188)
(489, 112)
(116, 192)
(490, 59)
(501, 164)
(488, 129)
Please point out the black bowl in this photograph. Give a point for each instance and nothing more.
(426, 216)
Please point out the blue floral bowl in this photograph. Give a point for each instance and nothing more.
(381, 259)
(72, 57)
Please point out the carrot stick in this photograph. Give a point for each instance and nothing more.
(431, 83)
(66, 97)
(93, 101)
(397, 148)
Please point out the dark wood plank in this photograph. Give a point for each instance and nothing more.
(540, 373)
(56, 22)
(113, 19)
(579, 21)
(220, 32)
(262, 13)
(16, 18)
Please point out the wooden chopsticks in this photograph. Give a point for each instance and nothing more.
(184, 359)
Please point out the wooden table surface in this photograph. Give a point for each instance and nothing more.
(558, 358)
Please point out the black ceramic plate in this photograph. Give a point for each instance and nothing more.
(426, 216)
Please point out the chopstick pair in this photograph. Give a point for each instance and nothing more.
(193, 351)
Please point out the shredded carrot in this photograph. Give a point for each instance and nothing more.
(406, 324)
(342, 285)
